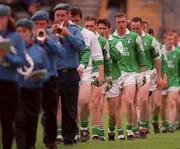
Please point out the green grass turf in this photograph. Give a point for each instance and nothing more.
(154, 141)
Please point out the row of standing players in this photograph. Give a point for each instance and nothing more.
(118, 65)
(140, 69)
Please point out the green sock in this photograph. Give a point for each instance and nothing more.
(135, 128)
(171, 125)
(143, 124)
(96, 131)
(120, 131)
(101, 132)
(59, 130)
(155, 118)
(84, 123)
(147, 124)
(165, 124)
(129, 127)
(111, 127)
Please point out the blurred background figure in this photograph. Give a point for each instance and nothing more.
(113, 7)
(27, 7)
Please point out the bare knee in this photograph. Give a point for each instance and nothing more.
(129, 105)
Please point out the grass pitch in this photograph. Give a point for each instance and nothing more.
(154, 141)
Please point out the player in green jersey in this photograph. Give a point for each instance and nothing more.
(173, 71)
(104, 28)
(85, 68)
(97, 96)
(153, 67)
(113, 98)
(177, 44)
(164, 127)
(132, 62)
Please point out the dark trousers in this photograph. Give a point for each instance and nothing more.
(49, 106)
(68, 87)
(26, 118)
(8, 102)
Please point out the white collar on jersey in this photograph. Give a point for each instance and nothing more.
(173, 48)
(97, 34)
(110, 38)
(143, 33)
(116, 33)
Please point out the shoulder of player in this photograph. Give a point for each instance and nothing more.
(87, 32)
(177, 49)
(150, 37)
(113, 40)
(133, 34)
(102, 38)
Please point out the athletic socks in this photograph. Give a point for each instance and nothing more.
(111, 127)
(84, 124)
(59, 130)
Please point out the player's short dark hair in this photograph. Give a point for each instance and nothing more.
(90, 18)
(145, 22)
(137, 19)
(76, 11)
(120, 15)
(151, 31)
(104, 21)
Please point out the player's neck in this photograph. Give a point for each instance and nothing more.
(122, 32)
(169, 48)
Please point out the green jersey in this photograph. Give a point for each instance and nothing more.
(173, 63)
(132, 55)
(115, 53)
(151, 49)
(178, 48)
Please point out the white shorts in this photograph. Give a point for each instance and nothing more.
(127, 78)
(114, 91)
(150, 78)
(173, 88)
(153, 78)
(86, 76)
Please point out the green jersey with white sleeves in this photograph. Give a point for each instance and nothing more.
(132, 55)
(151, 49)
(107, 61)
(173, 70)
(93, 50)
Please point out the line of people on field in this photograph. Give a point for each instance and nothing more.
(139, 74)
(69, 68)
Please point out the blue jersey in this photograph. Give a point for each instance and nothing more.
(54, 50)
(73, 45)
(9, 72)
(41, 62)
